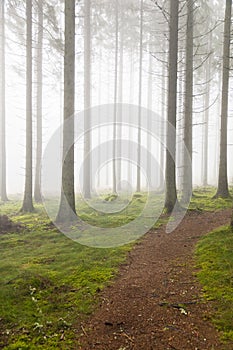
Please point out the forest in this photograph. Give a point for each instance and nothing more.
(116, 179)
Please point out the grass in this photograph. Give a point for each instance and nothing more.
(215, 260)
(48, 283)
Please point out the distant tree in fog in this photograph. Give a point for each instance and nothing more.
(222, 190)
(87, 99)
(39, 90)
(3, 192)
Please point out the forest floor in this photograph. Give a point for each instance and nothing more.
(156, 301)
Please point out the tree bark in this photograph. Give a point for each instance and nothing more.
(114, 164)
(27, 201)
(67, 201)
(140, 101)
(163, 125)
(206, 118)
(39, 82)
(3, 191)
(171, 192)
(87, 98)
(188, 117)
(99, 102)
(223, 190)
(120, 101)
(149, 107)
(131, 100)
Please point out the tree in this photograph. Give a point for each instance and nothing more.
(67, 201)
(149, 107)
(27, 201)
(206, 117)
(171, 192)
(120, 100)
(3, 191)
(188, 105)
(222, 190)
(39, 90)
(87, 98)
(140, 100)
(114, 169)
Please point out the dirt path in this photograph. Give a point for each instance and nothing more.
(140, 309)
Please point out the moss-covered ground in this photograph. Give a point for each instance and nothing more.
(48, 283)
(214, 256)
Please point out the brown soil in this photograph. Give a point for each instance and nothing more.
(141, 309)
(6, 225)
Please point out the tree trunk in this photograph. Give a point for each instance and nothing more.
(3, 191)
(120, 101)
(99, 102)
(140, 101)
(206, 118)
(27, 201)
(223, 190)
(149, 107)
(39, 82)
(87, 98)
(131, 100)
(163, 124)
(171, 192)
(114, 163)
(67, 202)
(188, 117)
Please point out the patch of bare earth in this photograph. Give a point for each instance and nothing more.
(155, 302)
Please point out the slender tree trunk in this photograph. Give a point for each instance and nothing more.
(206, 135)
(131, 99)
(87, 99)
(120, 101)
(180, 124)
(99, 102)
(67, 202)
(3, 191)
(114, 169)
(140, 101)
(171, 192)
(217, 129)
(206, 118)
(27, 201)
(149, 107)
(188, 121)
(108, 151)
(223, 190)
(163, 128)
(37, 189)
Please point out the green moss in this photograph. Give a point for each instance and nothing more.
(215, 260)
(49, 283)
(203, 200)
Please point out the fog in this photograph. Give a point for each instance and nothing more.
(154, 73)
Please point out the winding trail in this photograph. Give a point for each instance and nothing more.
(140, 309)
